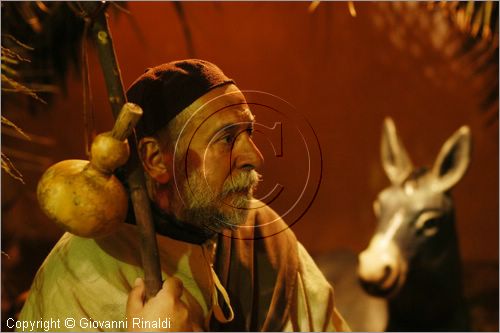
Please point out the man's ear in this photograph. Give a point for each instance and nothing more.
(155, 161)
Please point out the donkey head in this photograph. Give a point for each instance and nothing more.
(415, 213)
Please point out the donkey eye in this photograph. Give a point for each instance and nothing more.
(376, 208)
(428, 223)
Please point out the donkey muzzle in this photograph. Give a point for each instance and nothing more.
(381, 268)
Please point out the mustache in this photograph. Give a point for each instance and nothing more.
(245, 181)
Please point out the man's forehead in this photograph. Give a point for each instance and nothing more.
(222, 104)
(221, 107)
(210, 119)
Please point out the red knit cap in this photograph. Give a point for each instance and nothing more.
(165, 90)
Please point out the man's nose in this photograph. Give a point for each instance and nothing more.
(245, 153)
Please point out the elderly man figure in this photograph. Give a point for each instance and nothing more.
(201, 168)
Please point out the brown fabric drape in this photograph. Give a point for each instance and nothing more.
(258, 267)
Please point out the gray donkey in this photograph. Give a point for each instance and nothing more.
(413, 258)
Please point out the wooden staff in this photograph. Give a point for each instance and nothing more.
(135, 174)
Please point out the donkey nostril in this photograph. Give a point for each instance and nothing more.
(387, 273)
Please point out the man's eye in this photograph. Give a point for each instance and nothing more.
(228, 138)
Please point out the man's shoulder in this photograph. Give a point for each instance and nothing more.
(76, 273)
(264, 213)
(77, 263)
(267, 223)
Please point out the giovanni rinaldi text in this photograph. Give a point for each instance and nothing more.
(84, 323)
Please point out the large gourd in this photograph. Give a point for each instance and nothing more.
(84, 197)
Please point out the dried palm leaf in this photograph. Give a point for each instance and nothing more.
(9, 167)
(10, 124)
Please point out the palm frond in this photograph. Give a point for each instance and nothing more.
(477, 18)
(10, 124)
(9, 167)
(464, 33)
(479, 21)
(11, 60)
(53, 33)
(313, 5)
(19, 88)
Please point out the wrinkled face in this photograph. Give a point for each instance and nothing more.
(410, 218)
(215, 161)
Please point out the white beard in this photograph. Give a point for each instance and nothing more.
(215, 212)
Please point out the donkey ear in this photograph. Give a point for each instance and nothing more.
(395, 160)
(453, 160)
